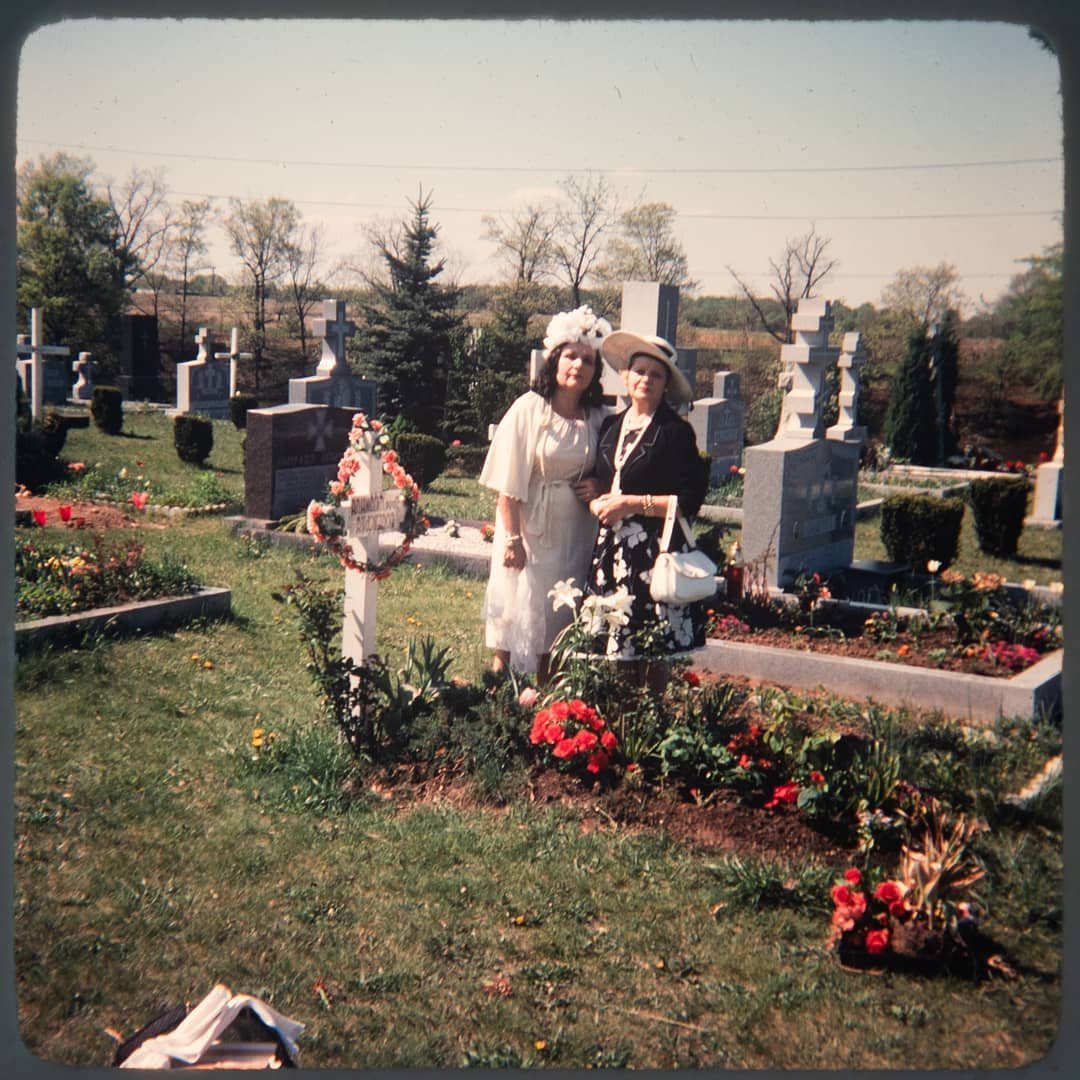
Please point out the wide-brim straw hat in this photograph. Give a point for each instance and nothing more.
(620, 348)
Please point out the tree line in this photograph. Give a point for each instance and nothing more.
(448, 356)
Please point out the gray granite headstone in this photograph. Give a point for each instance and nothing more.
(202, 384)
(291, 452)
(650, 308)
(334, 382)
(718, 423)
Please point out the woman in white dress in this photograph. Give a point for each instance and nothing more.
(543, 451)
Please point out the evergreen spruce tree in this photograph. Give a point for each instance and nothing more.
(911, 419)
(945, 353)
(411, 322)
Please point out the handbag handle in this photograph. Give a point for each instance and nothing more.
(673, 512)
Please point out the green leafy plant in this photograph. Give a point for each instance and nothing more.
(239, 404)
(998, 506)
(920, 528)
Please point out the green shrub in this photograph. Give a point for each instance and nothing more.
(107, 409)
(918, 528)
(999, 506)
(238, 409)
(36, 465)
(194, 438)
(422, 456)
(465, 460)
(53, 431)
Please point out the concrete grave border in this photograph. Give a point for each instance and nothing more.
(205, 603)
(975, 698)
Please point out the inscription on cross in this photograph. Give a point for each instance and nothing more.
(333, 328)
(233, 355)
(368, 511)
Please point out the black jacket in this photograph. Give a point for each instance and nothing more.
(665, 460)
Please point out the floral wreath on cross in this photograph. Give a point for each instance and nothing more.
(325, 520)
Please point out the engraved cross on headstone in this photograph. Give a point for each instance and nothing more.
(232, 356)
(333, 328)
(34, 351)
(368, 510)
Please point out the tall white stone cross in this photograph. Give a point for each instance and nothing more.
(202, 339)
(232, 356)
(333, 328)
(35, 351)
(368, 511)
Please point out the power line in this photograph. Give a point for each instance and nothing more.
(691, 214)
(734, 170)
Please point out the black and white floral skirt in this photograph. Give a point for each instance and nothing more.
(622, 568)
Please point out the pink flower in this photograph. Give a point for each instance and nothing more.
(76, 466)
(139, 499)
(528, 697)
(455, 442)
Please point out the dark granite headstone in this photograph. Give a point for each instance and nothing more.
(291, 453)
(140, 358)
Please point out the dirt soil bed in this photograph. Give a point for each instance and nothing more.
(97, 517)
(914, 649)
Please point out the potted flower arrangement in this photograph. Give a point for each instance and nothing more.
(924, 918)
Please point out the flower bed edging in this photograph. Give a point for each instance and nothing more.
(205, 603)
(975, 698)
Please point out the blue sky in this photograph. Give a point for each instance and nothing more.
(905, 143)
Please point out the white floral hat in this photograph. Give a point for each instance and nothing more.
(620, 348)
(580, 325)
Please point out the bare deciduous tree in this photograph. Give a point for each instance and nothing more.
(143, 219)
(797, 274)
(925, 293)
(302, 259)
(188, 246)
(580, 228)
(525, 241)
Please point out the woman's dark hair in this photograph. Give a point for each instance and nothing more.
(544, 383)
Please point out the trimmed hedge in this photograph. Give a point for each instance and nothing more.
(238, 409)
(194, 437)
(423, 457)
(999, 507)
(465, 460)
(107, 409)
(918, 528)
(53, 431)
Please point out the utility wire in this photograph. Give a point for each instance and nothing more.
(736, 170)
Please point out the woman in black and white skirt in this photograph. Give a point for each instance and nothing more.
(647, 458)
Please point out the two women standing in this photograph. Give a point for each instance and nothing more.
(583, 494)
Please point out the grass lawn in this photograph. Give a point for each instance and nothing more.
(152, 860)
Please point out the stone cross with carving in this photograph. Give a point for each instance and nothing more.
(368, 511)
(84, 382)
(203, 340)
(233, 355)
(35, 350)
(333, 328)
(803, 365)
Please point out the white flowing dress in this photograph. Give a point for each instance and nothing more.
(535, 457)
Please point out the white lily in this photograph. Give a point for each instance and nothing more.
(593, 614)
(564, 594)
(618, 606)
(933, 566)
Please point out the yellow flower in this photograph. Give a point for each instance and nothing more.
(208, 665)
(540, 1044)
(257, 737)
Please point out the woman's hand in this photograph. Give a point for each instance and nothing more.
(611, 509)
(514, 554)
(587, 490)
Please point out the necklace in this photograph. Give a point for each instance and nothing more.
(628, 439)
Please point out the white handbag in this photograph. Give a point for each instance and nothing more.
(681, 577)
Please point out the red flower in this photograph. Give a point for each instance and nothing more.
(139, 499)
(608, 740)
(745, 761)
(579, 710)
(787, 793)
(561, 710)
(40, 516)
(598, 760)
(816, 777)
(842, 896)
(564, 748)
(898, 908)
(585, 740)
(693, 678)
(853, 875)
(65, 512)
(888, 892)
(877, 941)
(554, 733)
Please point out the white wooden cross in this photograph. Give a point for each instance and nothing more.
(333, 328)
(35, 351)
(232, 356)
(367, 511)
